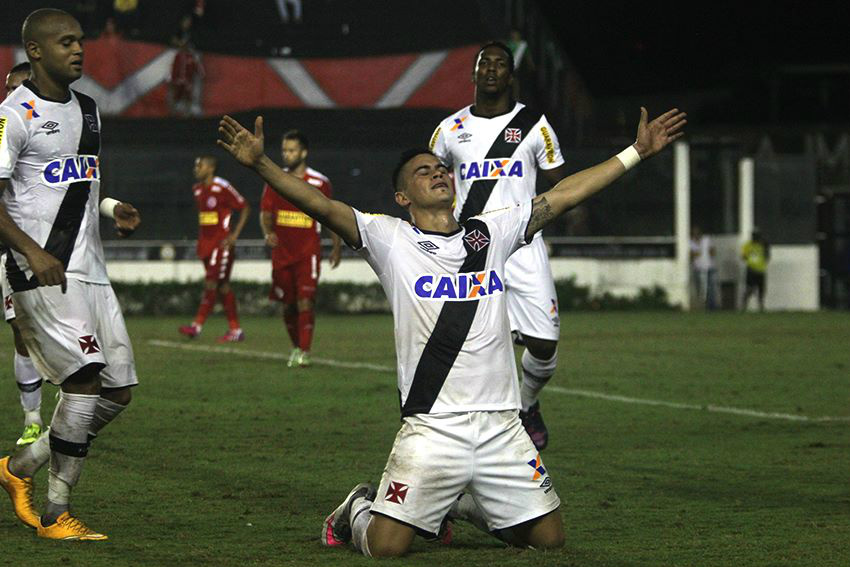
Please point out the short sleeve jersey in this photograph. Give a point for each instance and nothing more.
(215, 203)
(49, 153)
(297, 233)
(495, 160)
(447, 294)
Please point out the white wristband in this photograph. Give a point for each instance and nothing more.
(107, 207)
(629, 157)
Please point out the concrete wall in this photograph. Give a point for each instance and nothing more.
(792, 273)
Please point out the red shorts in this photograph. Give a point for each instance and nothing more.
(219, 264)
(295, 281)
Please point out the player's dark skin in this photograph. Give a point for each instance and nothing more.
(426, 191)
(493, 81)
(54, 46)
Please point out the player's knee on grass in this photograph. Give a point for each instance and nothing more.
(388, 537)
(86, 380)
(122, 396)
(542, 349)
(546, 532)
(20, 347)
(305, 304)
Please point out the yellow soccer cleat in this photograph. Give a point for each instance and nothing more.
(30, 434)
(69, 528)
(20, 491)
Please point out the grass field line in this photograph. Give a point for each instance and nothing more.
(557, 389)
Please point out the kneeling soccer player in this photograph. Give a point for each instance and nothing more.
(462, 450)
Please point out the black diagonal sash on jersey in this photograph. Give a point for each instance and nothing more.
(69, 217)
(448, 336)
(480, 190)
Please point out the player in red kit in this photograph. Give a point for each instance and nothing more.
(294, 239)
(216, 198)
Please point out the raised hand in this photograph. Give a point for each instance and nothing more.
(247, 148)
(654, 136)
(127, 219)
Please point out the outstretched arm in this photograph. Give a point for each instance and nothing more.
(652, 137)
(247, 148)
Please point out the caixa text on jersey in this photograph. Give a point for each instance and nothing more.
(71, 169)
(458, 287)
(499, 167)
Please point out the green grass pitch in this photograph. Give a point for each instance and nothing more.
(233, 460)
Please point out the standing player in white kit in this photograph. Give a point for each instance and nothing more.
(495, 148)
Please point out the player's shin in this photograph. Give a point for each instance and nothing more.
(29, 384)
(31, 458)
(306, 322)
(535, 374)
(228, 301)
(68, 448)
(207, 304)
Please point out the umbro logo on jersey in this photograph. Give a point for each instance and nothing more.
(513, 135)
(428, 246)
(458, 287)
(489, 168)
(396, 492)
(51, 127)
(71, 170)
(88, 344)
(465, 137)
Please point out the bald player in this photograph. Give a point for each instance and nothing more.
(67, 312)
(26, 376)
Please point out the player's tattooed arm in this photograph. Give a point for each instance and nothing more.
(247, 148)
(541, 214)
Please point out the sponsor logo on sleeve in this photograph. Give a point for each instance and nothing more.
(434, 138)
(2, 128)
(459, 123)
(548, 144)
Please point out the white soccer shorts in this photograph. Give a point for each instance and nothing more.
(65, 332)
(6, 292)
(530, 292)
(489, 455)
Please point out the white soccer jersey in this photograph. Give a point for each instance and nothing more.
(452, 331)
(49, 153)
(495, 160)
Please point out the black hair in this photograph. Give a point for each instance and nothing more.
(298, 136)
(24, 67)
(501, 46)
(34, 24)
(405, 157)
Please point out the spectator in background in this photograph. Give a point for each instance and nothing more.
(521, 55)
(284, 11)
(126, 16)
(756, 255)
(703, 270)
(185, 86)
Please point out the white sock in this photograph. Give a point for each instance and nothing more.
(535, 374)
(106, 411)
(29, 383)
(69, 432)
(360, 519)
(31, 458)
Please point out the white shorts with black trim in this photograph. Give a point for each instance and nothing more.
(66, 331)
(6, 291)
(530, 293)
(488, 455)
